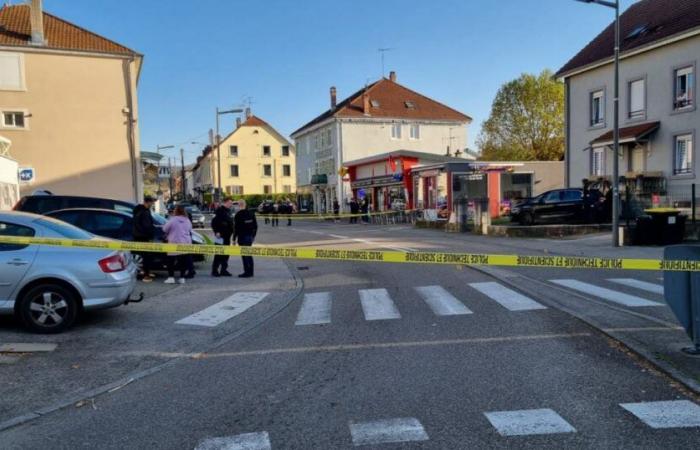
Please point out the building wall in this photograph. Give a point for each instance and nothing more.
(548, 175)
(250, 161)
(77, 136)
(657, 66)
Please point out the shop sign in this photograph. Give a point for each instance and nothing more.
(475, 177)
(430, 173)
(26, 175)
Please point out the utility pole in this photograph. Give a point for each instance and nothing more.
(170, 178)
(182, 165)
(382, 51)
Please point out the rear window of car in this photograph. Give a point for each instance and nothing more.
(42, 204)
(63, 229)
(11, 229)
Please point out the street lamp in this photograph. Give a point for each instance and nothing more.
(218, 146)
(616, 121)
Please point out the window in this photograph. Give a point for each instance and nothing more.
(409, 104)
(683, 156)
(287, 189)
(572, 195)
(267, 170)
(683, 88)
(554, 197)
(233, 151)
(10, 229)
(13, 119)
(11, 71)
(63, 229)
(598, 161)
(234, 190)
(286, 170)
(285, 150)
(637, 100)
(266, 150)
(234, 170)
(375, 103)
(415, 131)
(597, 108)
(267, 189)
(396, 131)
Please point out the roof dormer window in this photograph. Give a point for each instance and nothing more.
(375, 103)
(409, 104)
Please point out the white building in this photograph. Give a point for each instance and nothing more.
(382, 117)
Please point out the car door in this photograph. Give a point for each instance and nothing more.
(15, 260)
(572, 205)
(545, 209)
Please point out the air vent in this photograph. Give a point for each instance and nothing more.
(409, 104)
(638, 31)
(375, 103)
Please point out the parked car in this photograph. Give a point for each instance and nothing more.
(196, 216)
(46, 288)
(557, 206)
(45, 203)
(118, 225)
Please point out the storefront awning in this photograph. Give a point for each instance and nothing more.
(636, 133)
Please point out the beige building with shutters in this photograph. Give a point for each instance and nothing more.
(68, 103)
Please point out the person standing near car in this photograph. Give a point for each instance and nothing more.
(144, 231)
(178, 230)
(222, 226)
(354, 210)
(245, 229)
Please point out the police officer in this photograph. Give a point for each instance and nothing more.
(222, 225)
(245, 227)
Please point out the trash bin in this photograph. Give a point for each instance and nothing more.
(660, 226)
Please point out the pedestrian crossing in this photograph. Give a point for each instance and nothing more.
(511, 424)
(378, 305)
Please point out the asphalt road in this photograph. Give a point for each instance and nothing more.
(385, 356)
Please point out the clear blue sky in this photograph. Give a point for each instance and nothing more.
(200, 54)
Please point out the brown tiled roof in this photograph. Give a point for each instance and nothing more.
(254, 121)
(393, 102)
(643, 23)
(15, 30)
(634, 132)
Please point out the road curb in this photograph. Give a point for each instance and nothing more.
(630, 345)
(291, 295)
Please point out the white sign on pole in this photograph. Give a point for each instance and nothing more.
(164, 172)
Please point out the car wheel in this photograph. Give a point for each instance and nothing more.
(138, 261)
(527, 219)
(48, 308)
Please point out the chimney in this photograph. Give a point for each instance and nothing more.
(248, 113)
(238, 122)
(333, 98)
(365, 103)
(392, 76)
(36, 19)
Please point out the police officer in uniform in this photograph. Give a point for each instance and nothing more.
(245, 227)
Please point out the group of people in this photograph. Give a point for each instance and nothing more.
(241, 228)
(272, 209)
(357, 208)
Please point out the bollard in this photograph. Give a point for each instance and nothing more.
(682, 293)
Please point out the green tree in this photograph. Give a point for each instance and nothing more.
(526, 121)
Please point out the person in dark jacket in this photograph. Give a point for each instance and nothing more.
(222, 226)
(245, 229)
(364, 207)
(144, 231)
(336, 210)
(354, 210)
(288, 210)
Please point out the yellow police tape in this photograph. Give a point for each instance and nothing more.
(331, 216)
(466, 259)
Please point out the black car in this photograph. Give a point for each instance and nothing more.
(558, 206)
(42, 204)
(117, 225)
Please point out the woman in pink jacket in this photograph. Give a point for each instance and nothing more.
(178, 230)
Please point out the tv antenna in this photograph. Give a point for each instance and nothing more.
(382, 51)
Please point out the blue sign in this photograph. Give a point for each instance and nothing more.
(26, 174)
(361, 193)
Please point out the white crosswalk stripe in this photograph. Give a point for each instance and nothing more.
(508, 298)
(638, 284)
(226, 309)
(528, 422)
(442, 302)
(247, 441)
(387, 431)
(606, 294)
(377, 305)
(666, 414)
(315, 309)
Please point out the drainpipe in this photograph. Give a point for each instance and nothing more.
(131, 139)
(567, 131)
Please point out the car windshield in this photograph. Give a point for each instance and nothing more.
(63, 229)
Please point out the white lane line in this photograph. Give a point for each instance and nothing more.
(442, 302)
(377, 305)
(387, 431)
(338, 236)
(638, 284)
(315, 309)
(606, 294)
(528, 422)
(224, 310)
(507, 298)
(378, 244)
(248, 441)
(669, 414)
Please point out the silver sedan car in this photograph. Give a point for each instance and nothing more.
(47, 287)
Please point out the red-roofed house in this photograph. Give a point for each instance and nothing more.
(659, 118)
(382, 117)
(68, 103)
